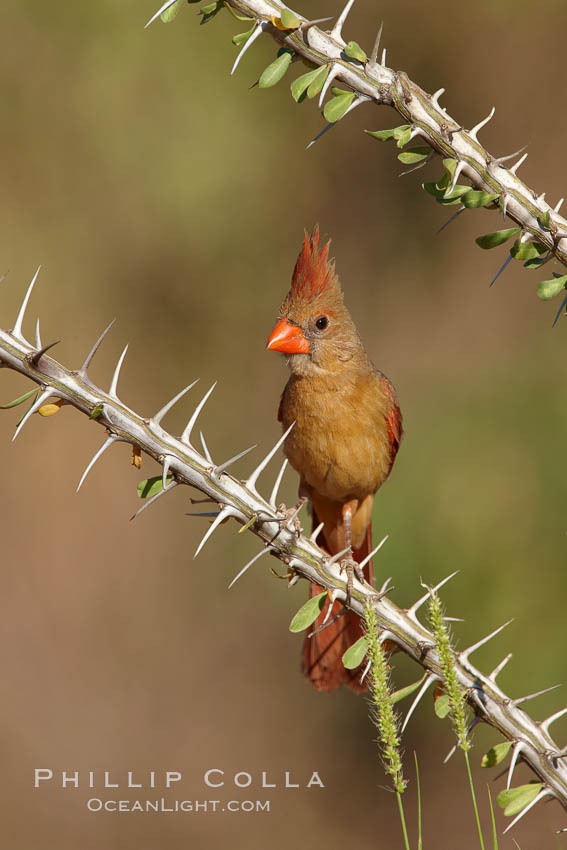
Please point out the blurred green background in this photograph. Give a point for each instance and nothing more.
(155, 188)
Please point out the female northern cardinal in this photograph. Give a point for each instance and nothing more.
(348, 428)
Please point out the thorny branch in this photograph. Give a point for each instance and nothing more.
(373, 82)
(183, 464)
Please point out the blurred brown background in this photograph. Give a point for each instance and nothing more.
(155, 188)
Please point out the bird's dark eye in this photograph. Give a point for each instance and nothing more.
(321, 323)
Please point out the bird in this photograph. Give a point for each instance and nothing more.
(348, 428)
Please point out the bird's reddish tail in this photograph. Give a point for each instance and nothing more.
(323, 653)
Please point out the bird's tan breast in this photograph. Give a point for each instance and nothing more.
(339, 444)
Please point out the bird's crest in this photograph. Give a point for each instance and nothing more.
(314, 273)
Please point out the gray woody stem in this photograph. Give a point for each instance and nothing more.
(242, 501)
(379, 84)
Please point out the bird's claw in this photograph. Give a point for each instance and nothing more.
(289, 516)
(352, 568)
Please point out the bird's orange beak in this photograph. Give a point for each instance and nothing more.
(288, 339)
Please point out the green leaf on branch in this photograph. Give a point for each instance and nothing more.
(151, 486)
(242, 36)
(408, 690)
(413, 155)
(515, 799)
(300, 86)
(439, 193)
(355, 653)
(308, 613)
(545, 220)
(318, 81)
(442, 707)
(475, 199)
(526, 250)
(492, 240)
(19, 400)
(386, 135)
(336, 107)
(210, 10)
(96, 411)
(496, 754)
(289, 19)
(403, 137)
(274, 72)
(171, 13)
(355, 51)
(550, 288)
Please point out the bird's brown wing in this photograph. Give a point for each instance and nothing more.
(393, 419)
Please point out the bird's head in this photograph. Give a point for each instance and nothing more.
(314, 328)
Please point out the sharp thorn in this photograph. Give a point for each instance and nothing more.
(325, 129)
(505, 206)
(17, 329)
(473, 133)
(453, 749)
(502, 159)
(35, 358)
(306, 25)
(464, 655)
(274, 493)
(330, 622)
(411, 612)
(369, 557)
(156, 419)
(206, 449)
(204, 513)
(429, 680)
(37, 335)
(507, 261)
(221, 468)
(257, 32)
(165, 471)
(330, 77)
(366, 669)
(88, 359)
(337, 557)
(186, 435)
(559, 204)
(458, 168)
(114, 382)
(449, 220)
(561, 306)
(375, 49)
(249, 564)
(383, 62)
(223, 514)
(336, 32)
(173, 483)
(545, 724)
(106, 445)
(499, 667)
(534, 695)
(384, 588)
(518, 747)
(316, 532)
(47, 393)
(251, 481)
(521, 160)
(333, 596)
(160, 11)
(541, 198)
(545, 792)
(435, 97)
